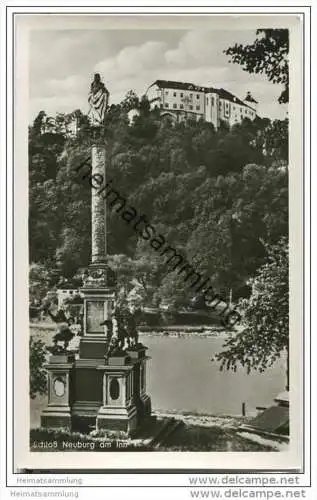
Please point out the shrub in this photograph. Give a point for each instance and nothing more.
(38, 384)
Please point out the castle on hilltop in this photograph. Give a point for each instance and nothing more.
(180, 100)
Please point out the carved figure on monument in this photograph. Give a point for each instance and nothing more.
(63, 332)
(115, 348)
(127, 327)
(110, 330)
(98, 100)
(123, 327)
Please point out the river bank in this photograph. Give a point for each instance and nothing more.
(203, 331)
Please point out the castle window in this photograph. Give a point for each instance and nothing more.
(198, 108)
(166, 92)
(174, 94)
(212, 101)
(182, 95)
(166, 105)
(190, 107)
(197, 96)
(207, 101)
(191, 95)
(181, 106)
(174, 106)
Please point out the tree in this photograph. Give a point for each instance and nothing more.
(265, 316)
(44, 220)
(130, 101)
(73, 252)
(234, 214)
(268, 54)
(275, 142)
(40, 281)
(37, 370)
(38, 125)
(214, 195)
(173, 290)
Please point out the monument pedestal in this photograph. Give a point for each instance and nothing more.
(87, 391)
(99, 295)
(118, 410)
(92, 347)
(60, 391)
(141, 399)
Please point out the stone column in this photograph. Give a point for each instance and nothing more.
(99, 283)
(98, 214)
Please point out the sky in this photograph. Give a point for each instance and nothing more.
(62, 64)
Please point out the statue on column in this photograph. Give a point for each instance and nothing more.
(98, 100)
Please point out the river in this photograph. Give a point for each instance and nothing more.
(181, 375)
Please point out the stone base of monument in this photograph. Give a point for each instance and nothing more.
(92, 348)
(60, 376)
(94, 393)
(87, 393)
(56, 417)
(142, 401)
(117, 419)
(118, 410)
(146, 405)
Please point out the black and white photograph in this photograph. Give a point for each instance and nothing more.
(159, 222)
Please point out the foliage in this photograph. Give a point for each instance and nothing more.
(266, 333)
(130, 101)
(244, 210)
(38, 280)
(213, 195)
(268, 54)
(275, 142)
(37, 371)
(41, 279)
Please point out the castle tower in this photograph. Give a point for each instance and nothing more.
(250, 101)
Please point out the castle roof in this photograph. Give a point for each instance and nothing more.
(178, 85)
(223, 94)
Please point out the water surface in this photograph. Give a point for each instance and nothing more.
(180, 375)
